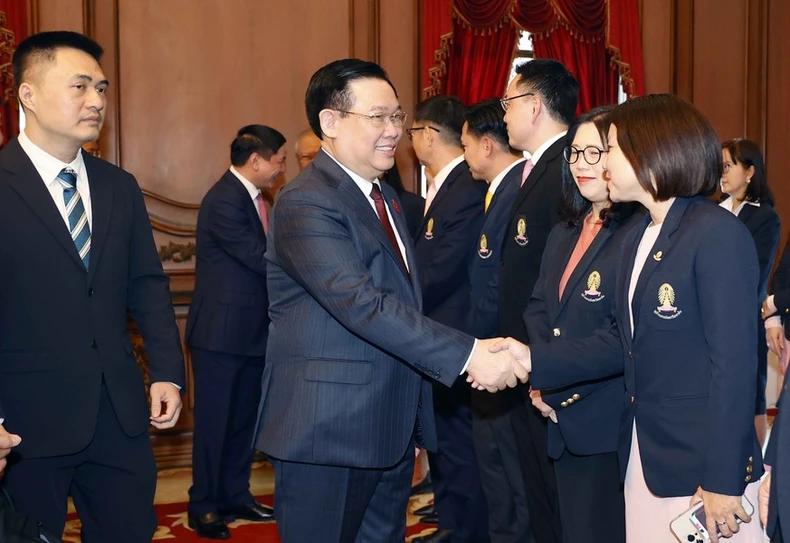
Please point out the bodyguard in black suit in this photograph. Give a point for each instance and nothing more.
(78, 253)
(444, 241)
(344, 397)
(540, 104)
(490, 158)
(227, 329)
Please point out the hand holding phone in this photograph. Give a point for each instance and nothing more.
(691, 526)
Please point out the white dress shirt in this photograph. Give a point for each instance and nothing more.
(439, 179)
(546, 144)
(498, 179)
(252, 189)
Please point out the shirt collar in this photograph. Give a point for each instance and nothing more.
(364, 185)
(498, 179)
(252, 189)
(546, 144)
(727, 204)
(441, 176)
(47, 165)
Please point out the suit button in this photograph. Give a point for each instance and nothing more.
(751, 459)
(94, 344)
(570, 401)
(749, 469)
(90, 292)
(576, 397)
(747, 478)
(564, 404)
(787, 310)
(632, 399)
(557, 332)
(630, 354)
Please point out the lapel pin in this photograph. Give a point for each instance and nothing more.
(658, 256)
(396, 206)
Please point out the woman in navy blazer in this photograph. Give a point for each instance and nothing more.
(749, 198)
(573, 297)
(685, 330)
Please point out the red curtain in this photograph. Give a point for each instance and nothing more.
(624, 41)
(436, 33)
(13, 29)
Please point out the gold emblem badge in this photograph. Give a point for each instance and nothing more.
(484, 251)
(521, 231)
(429, 229)
(666, 297)
(658, 256)
(592, 294)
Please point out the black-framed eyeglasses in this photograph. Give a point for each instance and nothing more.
(378, 120)
(410, 131)
(592, 154)
(504, 101)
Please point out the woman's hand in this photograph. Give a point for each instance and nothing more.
(720, 512)
(545, 409)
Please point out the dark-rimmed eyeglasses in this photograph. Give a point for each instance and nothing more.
(592, 154)
(504, 101)
(410, 131)
(378, 120)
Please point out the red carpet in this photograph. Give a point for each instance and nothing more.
(173, 525)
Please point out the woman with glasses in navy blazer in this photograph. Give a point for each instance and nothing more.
(573, 297)
(685, 329)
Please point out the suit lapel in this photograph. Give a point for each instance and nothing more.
(442, 192)
(537, 172)
(626, 268)
(581, 268)
(25, 181)
(403, 232)
(556, 270)
(747, 213)
(101, 207)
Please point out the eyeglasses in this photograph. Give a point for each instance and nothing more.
(504, 101)
(410, 131)
(592, 154)
(378, 120)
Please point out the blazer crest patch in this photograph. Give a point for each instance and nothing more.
(429, 229)
(666, 297)
(592, 294)
(483, 251)
(521, 231)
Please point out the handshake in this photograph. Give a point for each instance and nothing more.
(498, 363)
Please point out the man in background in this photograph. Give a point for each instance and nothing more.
(306, 147)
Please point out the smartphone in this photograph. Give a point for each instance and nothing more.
(690, 527)
(698, 518)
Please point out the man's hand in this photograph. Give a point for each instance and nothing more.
(169, 395)
(775, 337)
(7, 442)
(763, 497)
(519, 351)
(720, 512)
(545, 409)
(493, 372)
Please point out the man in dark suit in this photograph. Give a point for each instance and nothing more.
(539, 105)
(444, 241)
(344, 394)
(227, 329)
(78, 254)
(491, 158)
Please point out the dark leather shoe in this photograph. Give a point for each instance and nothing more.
(423, 487)
(253, 511)
(209, 526)
(430, 519)
(439, 536)
(425, 510)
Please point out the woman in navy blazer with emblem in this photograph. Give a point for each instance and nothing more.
(685, 330)
(749, 198)
(573, 297)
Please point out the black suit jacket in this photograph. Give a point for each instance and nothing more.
(690, 368)
(780, 287)
(588, 411)
(348, 346)
(484, 261)
(535, 211)
(64, 329)
(229, 311)
(445, 240)
(766, 229)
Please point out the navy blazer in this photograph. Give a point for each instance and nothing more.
(484, 262)
(348, 345)
(536, 209)
(588, 412)
(63, 330)
(766, 228)
(776, 456)
(693, 394)
(780, 287)
(229, 310)
(446, 237)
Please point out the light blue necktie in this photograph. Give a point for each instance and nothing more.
(75, 211)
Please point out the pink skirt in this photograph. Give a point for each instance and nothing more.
(647, 516)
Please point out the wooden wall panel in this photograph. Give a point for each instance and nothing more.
(656, 17)
(57, 15)
(778, 108)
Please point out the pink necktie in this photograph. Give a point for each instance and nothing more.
(262, 213)
(528, 165)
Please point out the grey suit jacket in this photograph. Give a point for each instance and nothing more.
(348, 346)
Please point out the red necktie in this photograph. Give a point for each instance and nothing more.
(381, 211)
(262, 213)
(528, 165)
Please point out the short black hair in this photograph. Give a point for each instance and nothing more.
(43, 46)
(447, 113)
(255, 138)
(554, 83)
(670, 142)
(329, 87)
(487, 118)
(747, 153)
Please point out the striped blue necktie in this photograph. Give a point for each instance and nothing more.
(75, 211)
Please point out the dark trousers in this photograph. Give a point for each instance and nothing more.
(333, 504)
(591, 499)
(500, 468)
(538, 469)
(777, 537)
(458, 493)
(227, 393)
(112, 482)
